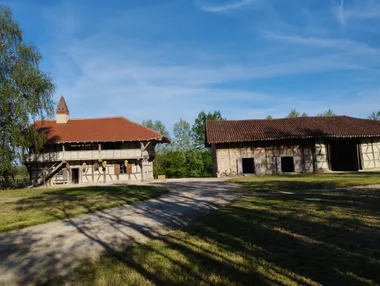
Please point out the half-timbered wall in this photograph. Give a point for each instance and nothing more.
(95, 173)
(370, 152)
(321, 157)
(267, 159)
(308, 157)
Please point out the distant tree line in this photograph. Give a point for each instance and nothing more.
(187, 156)
(294, 113)
(375, 115)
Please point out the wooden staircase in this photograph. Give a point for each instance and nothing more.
(47, 174)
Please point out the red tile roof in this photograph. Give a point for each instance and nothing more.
(225, 131)
(98, 130)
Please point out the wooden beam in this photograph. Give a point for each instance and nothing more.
(373, 154)
(143, 147)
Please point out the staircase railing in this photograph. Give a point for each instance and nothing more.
(46, 175)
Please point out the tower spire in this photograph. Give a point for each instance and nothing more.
(62, 113)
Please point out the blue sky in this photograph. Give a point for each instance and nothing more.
(166, 60)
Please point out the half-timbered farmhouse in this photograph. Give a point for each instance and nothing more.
(93, 150)
(293, 145)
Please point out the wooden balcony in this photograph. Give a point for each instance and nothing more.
(86, 155)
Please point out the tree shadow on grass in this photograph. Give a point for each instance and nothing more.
(92, 194)
(307, 238)
(45, 251)
(275, 239)
(307, 182)
(68, 202)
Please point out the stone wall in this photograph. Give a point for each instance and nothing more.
(308, 157)
(267, 159)
(147, 174)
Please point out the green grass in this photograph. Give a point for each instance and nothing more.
(308, 238)
(304, 182)
(27, 207)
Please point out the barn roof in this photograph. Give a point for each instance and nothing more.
(227, 131)
(111, 129)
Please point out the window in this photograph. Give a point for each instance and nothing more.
(287, 164)
(248, 165)
(123, 169)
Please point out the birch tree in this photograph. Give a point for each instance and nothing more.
(25, 94)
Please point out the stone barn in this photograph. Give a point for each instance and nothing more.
(293, 145)
(92, 150)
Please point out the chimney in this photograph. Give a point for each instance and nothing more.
(62, 114)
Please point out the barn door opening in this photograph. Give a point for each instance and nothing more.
(248, 166)
(287, 164)
(344, 156)
(75, 176)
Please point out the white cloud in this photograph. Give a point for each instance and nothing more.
(357, 10)
(332, 43)
(341, 14)
(64, 18)
(126, 82)
(127, 73)
(226, 7)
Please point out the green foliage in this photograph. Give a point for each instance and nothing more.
(174, 164)
(21, 173)
(186, 158)
(161, 149)
(375, 116)
(183, 136)
(293, 114)
(156, 126)
(25, 94)
(199, 127)
(328, 112)
(269, 117)
(207, 163)
(160, 128)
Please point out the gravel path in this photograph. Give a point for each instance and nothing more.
(44, 251)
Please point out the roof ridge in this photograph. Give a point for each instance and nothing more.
(285, 118)
(340, 126)
(88, 118)
(116, 128)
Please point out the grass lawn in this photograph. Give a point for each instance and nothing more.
(25, 207)
(308, 238)
(305, 182)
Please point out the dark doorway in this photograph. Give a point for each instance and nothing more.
(248, 166)
(75, 176)
(344, 156)
(287, 164)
